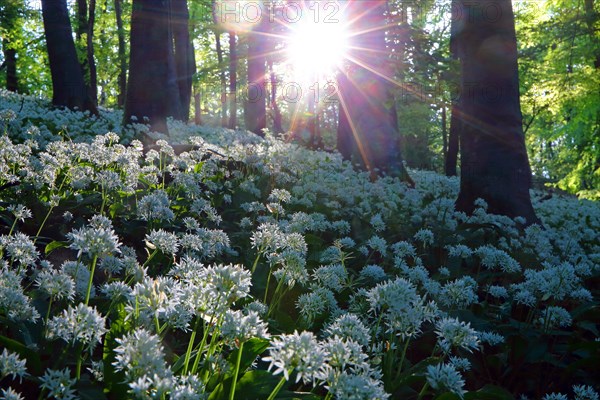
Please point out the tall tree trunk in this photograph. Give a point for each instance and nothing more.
(197, 109)
(185, 62)
(367, 131)
(122, 54)
(233, 60)
(277, 120)
(256, 111)
(494, 163)
(453, 142)
(455, 113)
(68, 85)
(150, 91)
(93, 78)
(10, 63)
(222, 78)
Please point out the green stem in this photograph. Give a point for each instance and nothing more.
(267, 287)
(422, 392)
(402, 357)
(91, 281)
(79, 352)
(278, 387)
(256, 261)
(200, 348)
(236, 372)
(150, 257)
(47, 315)
(12, 227)
(37, 235)
(188, 353)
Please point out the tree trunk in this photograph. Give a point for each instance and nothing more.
(10, 63)
(367, 131)
(91, 63)
(68, 84)
(455, 114)
(197, 109)
(223, 79)
(277, 119)
(232, 80)
(494, 163)
(122, 54)
(184, 55)
(256, 111)
(453, 142)
(151, 66)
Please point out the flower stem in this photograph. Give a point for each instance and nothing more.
(37, 235)
(91, 282)
(422, 392)
(277, 388)
(236, 372)
(188, 353)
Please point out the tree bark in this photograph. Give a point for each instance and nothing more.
(367, 129)
(151, 66)
(223, 79)
(233, 60)
(122, 54)
(10, 63)
(68, 85)
(494, 162)
(256, 110)
(185, 62)
(91, 62)
(453, 142)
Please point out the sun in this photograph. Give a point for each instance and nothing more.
(316, 48)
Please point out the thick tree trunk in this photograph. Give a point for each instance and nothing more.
(256, 110)
(223, 79)
(233, 60)
(367, 130)
(122, 54)
(453, 142)
(277, 119)
(10, 63)
(151, 66)
(197, 109)
(184, 55)
(68, 85)
(494, 163)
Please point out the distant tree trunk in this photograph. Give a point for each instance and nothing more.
(453, 142)
(93, 78)
(197, 109)
(455, 115)
(151, 85)
(185, 62)
(68, 85)
(277, 120)
(256, 111)
(223, 79)
(494, 163)
(10, 63)
(232, 80)
(122, 54)
(367, 132)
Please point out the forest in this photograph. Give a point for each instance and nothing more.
(300, 199)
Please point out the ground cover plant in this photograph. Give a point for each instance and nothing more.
(251, 268)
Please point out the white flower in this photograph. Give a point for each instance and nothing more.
(10, 394)
(372, 273)
(351, 327)
(56, 284)
(140, 352)
(424, 236)
(59, 384)
(357, 387)
(155, 206)
(20, 248)
(555, 316)
(82, 323)
(445, 377)
(555, 396)
(299, 352)
(454, 333)
(491, 338)
(164, 241)
(459, 293)
(333, 276)
(11, 364)
(96, 239)
(583, 392)
(238, 326)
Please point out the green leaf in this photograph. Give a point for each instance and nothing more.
(53, 245)
(490, 392)
(448, 396)
(252, 349)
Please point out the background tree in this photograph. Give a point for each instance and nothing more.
(494, 162)
(255, 101)
(10, 32)
(68, 85)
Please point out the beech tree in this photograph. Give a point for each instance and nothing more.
(494, 162)
(367, 129)
(256, 108)
(68, 85)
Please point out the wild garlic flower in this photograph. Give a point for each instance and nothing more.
(372, 273)
(555, 317)
(20, 248)
(357, 387)
(56, 284)
(491, 338)
(11, 364)
(498, 292)
(95, 239)
(239, 326)
(378, 244)
(20, 212)
(139, 353)
(459, 251)
(424, 236)
(59, 384)
(82, 324)
(454, 333)
(315, 303)
(155, 206)
(404, 249)
(81, 276)
(10, 394)
(13, 301)
(555, 396)
(299, 352)
(493, 259)
(165, 242)
(111, 265)
(460, 363)
(583, 392)
(349, 326)
(445, 377)
(292, 268)
(334, 277)
(459, 293)
(345, 353)
(154, 298)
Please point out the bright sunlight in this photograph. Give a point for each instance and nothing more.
(316, 49)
